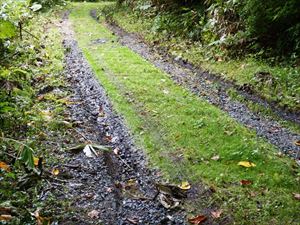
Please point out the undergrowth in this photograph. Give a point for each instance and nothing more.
(31, 118)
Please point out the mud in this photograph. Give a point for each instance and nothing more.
(214, 90)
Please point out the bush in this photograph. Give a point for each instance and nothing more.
(236, 27)
(275, 23)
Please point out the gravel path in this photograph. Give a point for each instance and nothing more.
(214, 91)
(116, 187)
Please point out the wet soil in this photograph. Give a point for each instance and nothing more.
(116, 186)
(214, 90)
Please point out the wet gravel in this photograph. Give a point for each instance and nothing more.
(214, 90)
(116, 187)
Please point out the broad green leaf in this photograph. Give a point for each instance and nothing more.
(27, 157)
(7, 29)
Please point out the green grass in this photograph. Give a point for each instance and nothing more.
(284, 88)
(181, 132)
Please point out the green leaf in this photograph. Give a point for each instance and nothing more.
(7, 29)
(27, 157)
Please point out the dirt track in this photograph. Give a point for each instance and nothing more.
(214, 91)
(116, 186)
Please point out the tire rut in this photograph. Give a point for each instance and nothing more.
(96, 184)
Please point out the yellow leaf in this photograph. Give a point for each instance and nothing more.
(36, 161)
(4, 166)
(185, 185)
(246, 164)
(5, 217)
(55, 172)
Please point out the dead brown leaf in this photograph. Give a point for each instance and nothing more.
(296, 196)
(4, 166)
(297, 142)
(108, 138)
(197, 219)
(117, 151)
(216, 214)
(133, 220)
(94, 214)
(5, 210)
(245, 182)
(216, 157)
(5, 217)
(41, 220)
(101, 111)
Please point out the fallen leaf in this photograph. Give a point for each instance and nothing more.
(55, 171)
(168, 201)
(4, 166)
(5, 217)
(185, 185)
(296, 196)
(116, 151)
(101, 111)
(246, 164)
(172, 190)
(41, 220)
(216, 157)
(245, 182)
(109, 190)
(41, 97)
(297, 142)
(216, 214)
(89, 151)
(133, 221)
(130, 182)
(197, 220)
(5, 210)
(108, 138)
(89, 195)
(94, 214)
(36, 161)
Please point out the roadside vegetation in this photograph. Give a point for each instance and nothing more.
(186, 137)
(253, 43)
(31, 115)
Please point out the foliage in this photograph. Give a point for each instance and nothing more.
(24, 60)
(47, 3)
(274, 23)
(233, 26)
(28, 66)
